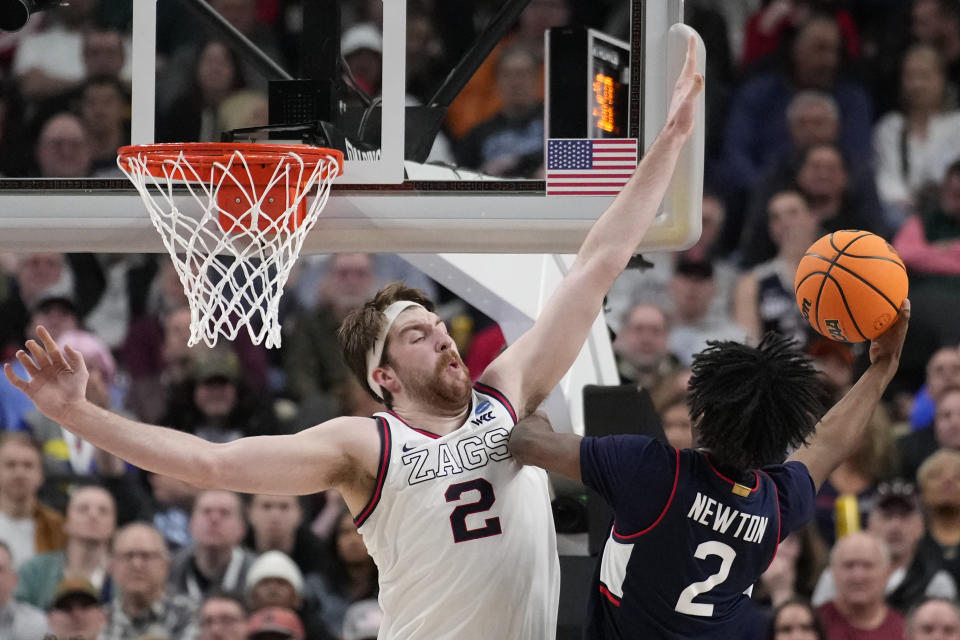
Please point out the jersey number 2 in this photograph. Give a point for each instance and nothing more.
(458, 519)
(685, 603)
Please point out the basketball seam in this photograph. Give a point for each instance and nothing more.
(847, 306)
(854, 255)
(816, 310)
(866, 282)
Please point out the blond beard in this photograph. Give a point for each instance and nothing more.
(433, 390)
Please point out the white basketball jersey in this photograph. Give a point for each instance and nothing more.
(462, 535)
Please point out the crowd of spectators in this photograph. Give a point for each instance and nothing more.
(822, 115)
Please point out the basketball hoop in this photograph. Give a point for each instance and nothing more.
(233, 258)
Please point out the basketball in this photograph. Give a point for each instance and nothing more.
(850, 285)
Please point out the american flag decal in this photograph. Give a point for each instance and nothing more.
(590, 167)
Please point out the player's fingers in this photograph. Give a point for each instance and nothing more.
(38, 353)
(690, 62)
(74, 359)
(53, 351)
(24, 358)
(14, 379)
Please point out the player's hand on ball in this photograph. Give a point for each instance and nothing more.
(886, 348)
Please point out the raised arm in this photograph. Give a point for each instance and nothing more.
(310, 461)
(534, 364)
(842, 427)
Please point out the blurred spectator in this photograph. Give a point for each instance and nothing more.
(860, 564)
(245, 16)
(312, 360)
(943, 433)
(425, 56)
(275, 581)
(105, 54)
(651, 284)
(362, 621)
(51, 61)
(276, 524)
(692, 290)
(795, 619)
(12, 136)
(914, 146)
(677, 427)
(939, 481)
(242, 109)
(937, 23)
(215, 559)
(510, 144)
(64, 148)
(215, 401)
(767, 27)
(193, 116)
(757, 128)
(275, 623)
(352, 577)
(898, 521)
(942, 371)
(765, 299)
(18, 621)
(68, 458)
(834, 362)
(126, 281)
(822, 175)
(362, 48)
(480, 100)
(89, 527)
(872, 461)
(934, 619)
(641, 346)
(76, 610)
(28, 526)
(223, 616)
(38, 277)
(105, 112)
(139, 569)
(792, 574)
(172, 504)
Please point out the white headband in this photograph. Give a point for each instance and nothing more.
(375, 354)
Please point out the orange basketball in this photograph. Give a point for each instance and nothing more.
(850, 285)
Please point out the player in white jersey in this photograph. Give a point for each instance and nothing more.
(467, 551)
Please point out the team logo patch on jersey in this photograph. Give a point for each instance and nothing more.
(482, 408)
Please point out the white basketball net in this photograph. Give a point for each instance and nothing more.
(235, 278)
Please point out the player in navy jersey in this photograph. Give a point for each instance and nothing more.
(694, 529)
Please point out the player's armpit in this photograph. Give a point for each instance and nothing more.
(533, 441)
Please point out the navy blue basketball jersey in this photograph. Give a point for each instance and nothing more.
(687, 542)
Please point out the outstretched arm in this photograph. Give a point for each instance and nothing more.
(534, 364)
(311, 460)
(533, 441)
(842, 428)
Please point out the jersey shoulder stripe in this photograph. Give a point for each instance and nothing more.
(383, 428)
(498, 396)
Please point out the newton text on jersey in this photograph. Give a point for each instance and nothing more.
(724, 519)
(451, 458)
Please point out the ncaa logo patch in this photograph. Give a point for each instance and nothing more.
(482, 408)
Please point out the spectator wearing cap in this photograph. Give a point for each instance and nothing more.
(275, 623)
(362, 621)
(216, 403)
(76, 611)
(934, 619)
(939, 481)
(943, 433)
(139, 568)
(692, 290)
(89, 526)
(223, 616)
(275, 581)
(898, 521)
(362, 48)
(28, 526)
(216, 559)
(860, 563)
(18, 621)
